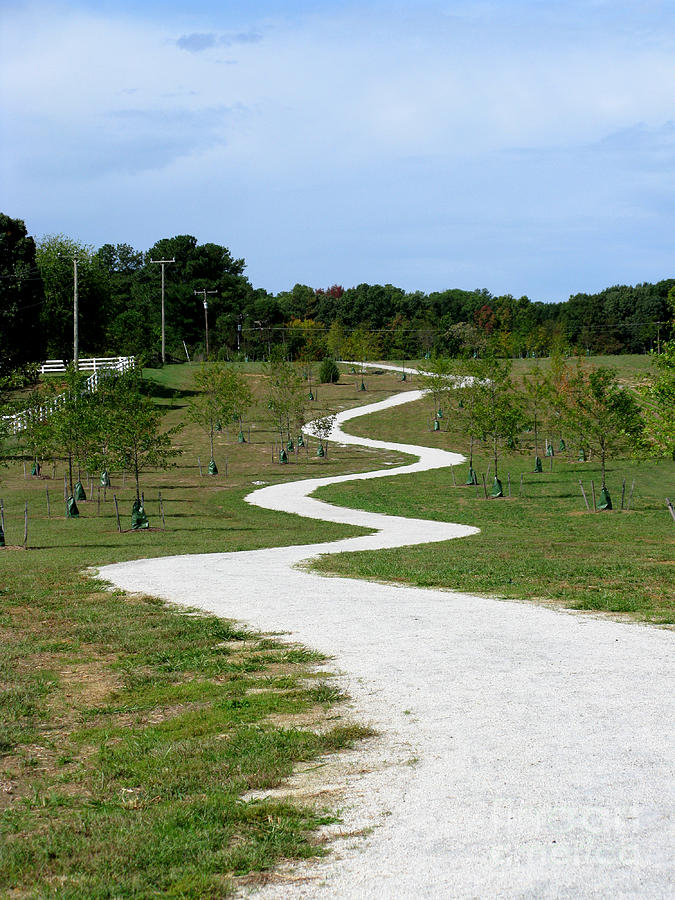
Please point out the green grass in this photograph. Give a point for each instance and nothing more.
(129, 730)
(540, 546)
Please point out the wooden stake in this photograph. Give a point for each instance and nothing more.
(53, 469)
(584, 495)
(25, 525)
(98, 500)
(595, 508)
(630, 496)
(226, 467)
(201, 474)
(161, 509)
(452, 472)
(2, 514)
(670, 507)
(623, 492)
(484, 486)
(508, 479)
(117, 513)
(49, 511)
(487, 474)
(24, 468)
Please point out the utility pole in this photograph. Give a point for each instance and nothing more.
(240, 319)
(76, 316)
(203, 294)
(162, 263)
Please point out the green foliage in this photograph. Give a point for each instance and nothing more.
(496, 406)
(131, 423)
(604, 412)
(55, 255)
(329, 372)
(223, 397)
(72, 429)
(21, 295)
(658, 397)
(286, 398)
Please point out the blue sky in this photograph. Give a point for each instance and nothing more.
(525, 146)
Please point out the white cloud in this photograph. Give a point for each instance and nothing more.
(404, 113)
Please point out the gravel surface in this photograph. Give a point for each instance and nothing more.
(524, 752)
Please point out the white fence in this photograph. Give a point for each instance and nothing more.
(100, 368)
(95, 364)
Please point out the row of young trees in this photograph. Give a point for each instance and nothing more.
(116, 427)
(589, 407)
(119, 299)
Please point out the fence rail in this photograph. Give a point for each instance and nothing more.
(94, 364)
(100, 367)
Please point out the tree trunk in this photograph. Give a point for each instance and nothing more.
(211, 439)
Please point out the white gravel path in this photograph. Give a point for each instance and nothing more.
(524, 752)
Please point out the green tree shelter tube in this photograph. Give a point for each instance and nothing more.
(139, 519)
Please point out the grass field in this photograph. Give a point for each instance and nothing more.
(542, 545)
(130, 730)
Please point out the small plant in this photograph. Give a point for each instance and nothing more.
(329, 372)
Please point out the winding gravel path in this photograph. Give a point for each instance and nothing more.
(524, 752)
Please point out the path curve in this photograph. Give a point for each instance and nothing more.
(525, 752)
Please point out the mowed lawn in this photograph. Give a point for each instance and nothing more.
(130, 731)
(538, 544)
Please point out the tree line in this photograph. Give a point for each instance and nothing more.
(119, 303)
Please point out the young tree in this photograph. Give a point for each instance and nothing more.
(659, 404)
(498, 406)
(658, 397)
(224, 397)
(73, 423)
(436, 381)
(133, 426)
(604, 412)
(537, 391)
(322, 429)
(285, 397)
(363, 346)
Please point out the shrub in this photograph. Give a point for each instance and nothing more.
(329, 372)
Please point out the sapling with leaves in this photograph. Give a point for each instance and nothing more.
(136, 440)
(499, 409)
(322, 428)
(286, 397)
(537, 391)
(224, 397)
(436, 381)
(468, 394)
(363, 346)
(74, 423)
(605, 412)
(658, 399)
(36, 437)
